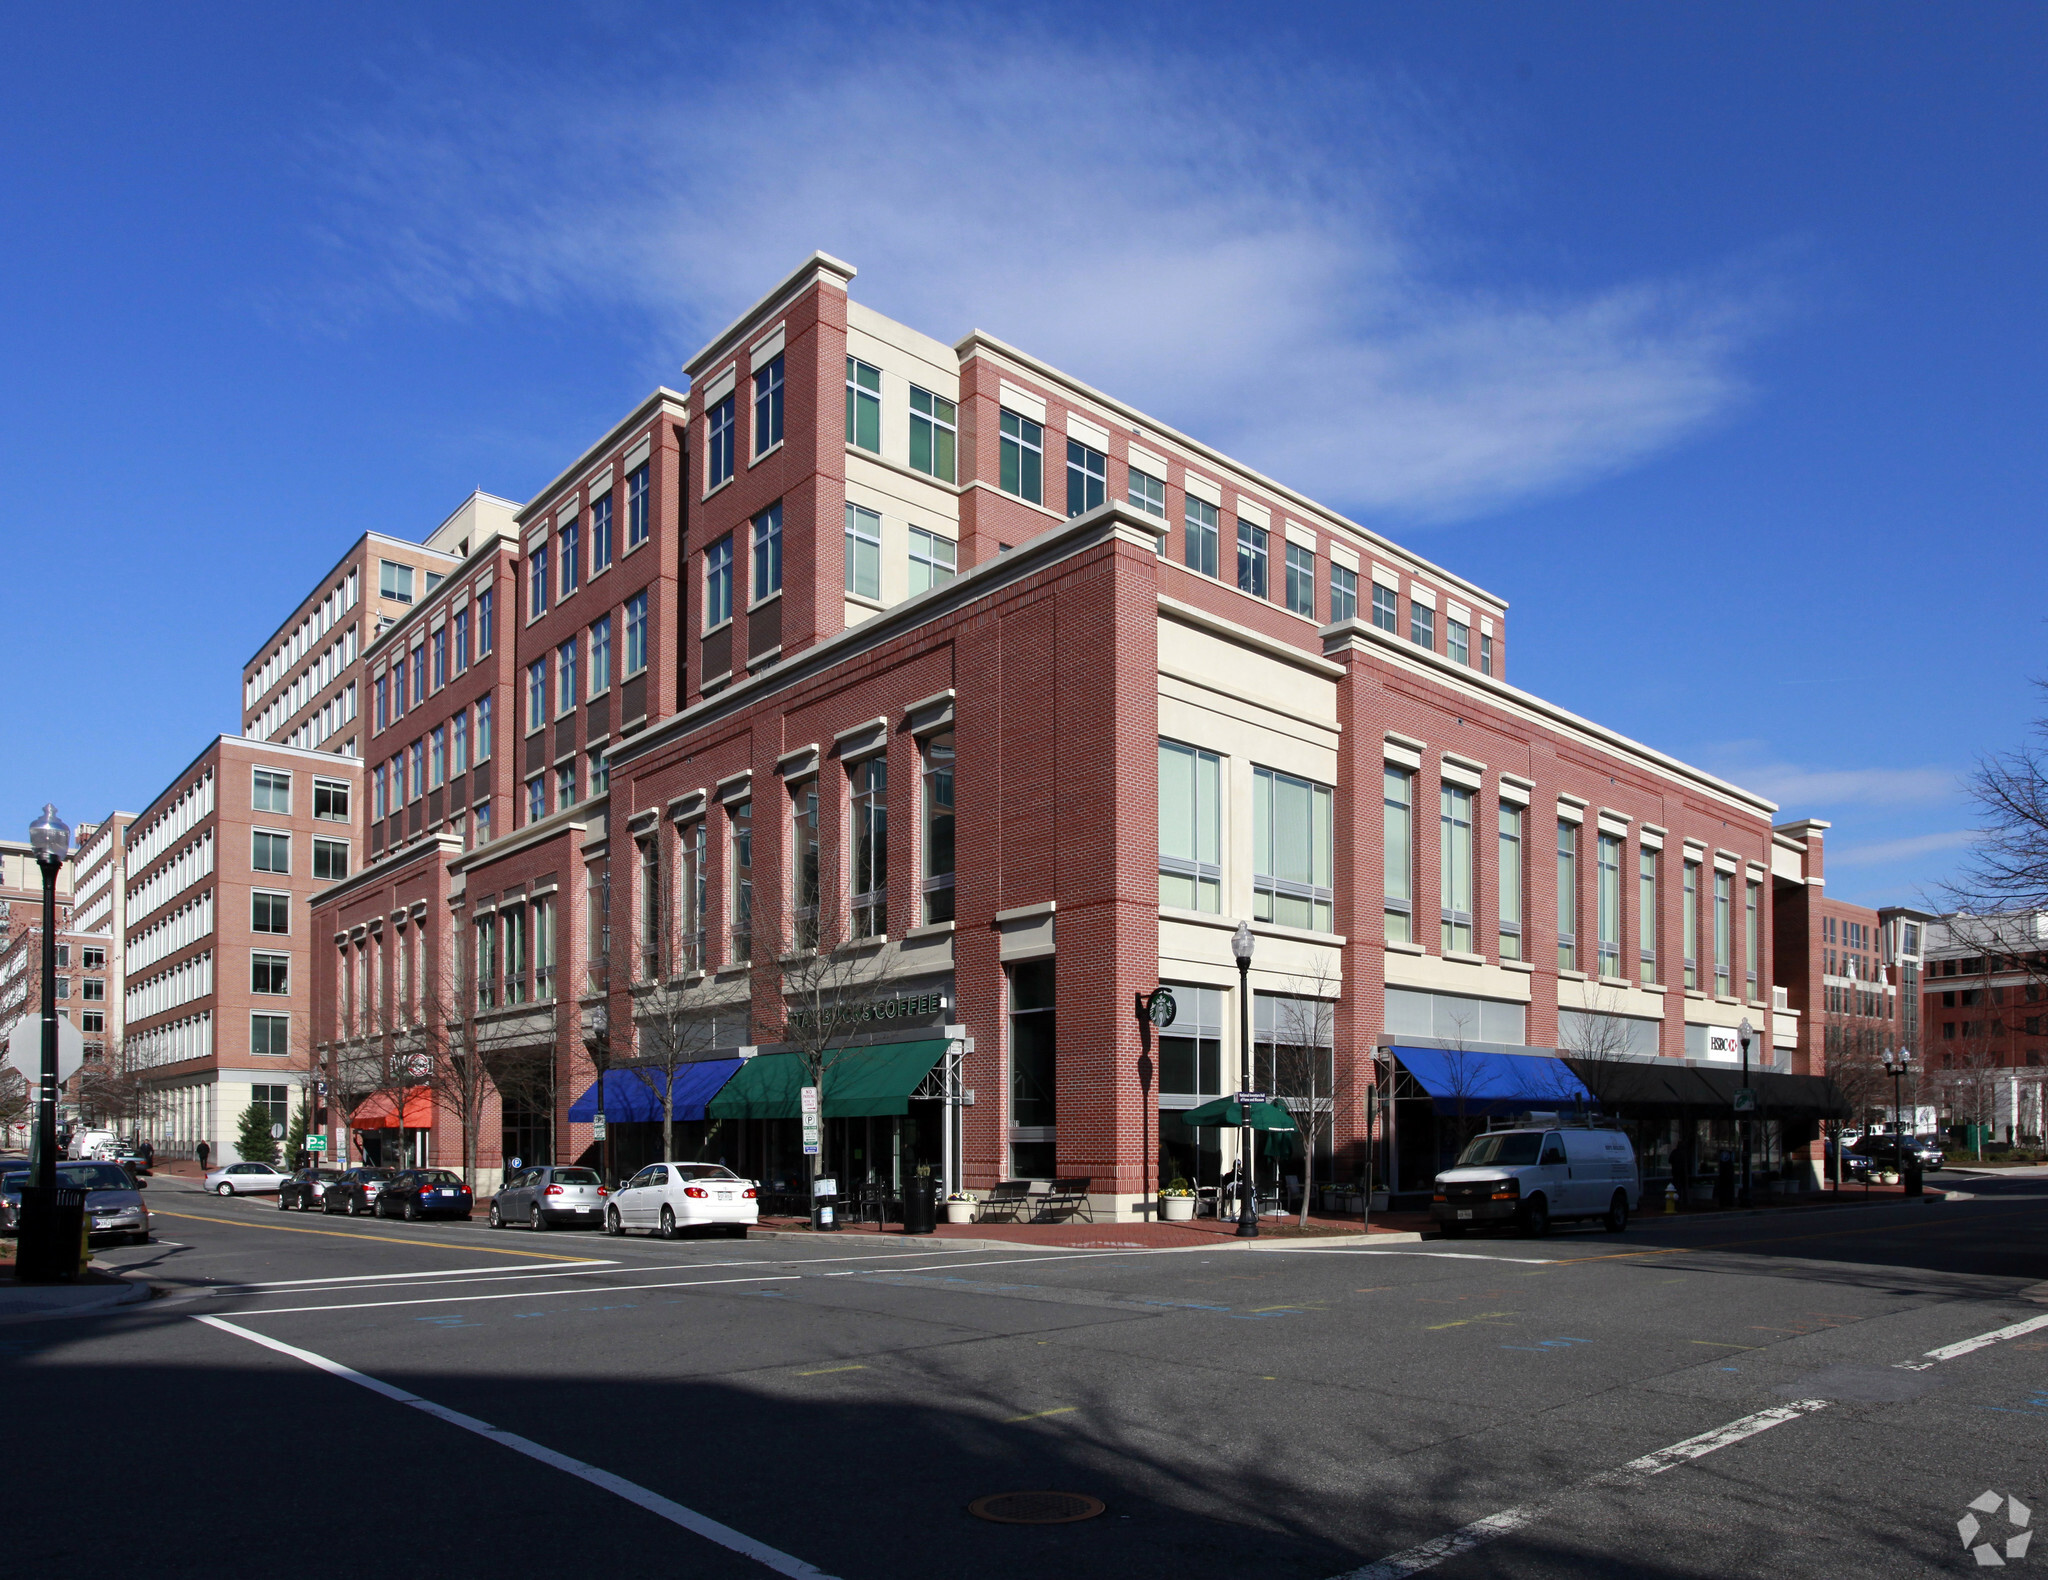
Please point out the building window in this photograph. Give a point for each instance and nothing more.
(718, 583)
(96, 1020)
(871, 848)
(1510, 883)
(931, 559)
(803, 866)
(863, 552)
(383, 701)
(269, 973)
(486, 961)
(1724, 920)
(1386, 608)
(600, 534)
(1148, 493)
(398, 688)
(92, 989)
(398, 780)
(64, 991)
(566, 693)
(1752, 945)
(270, 911)
(1034, 1068)
(1647, 913)
(419, 768)
(537, 583)
(636, 621)
(1343, 594)
(1567, 896)
(768, 407)
(94, 959)
(1190, 828)
(1398, 827)
(1087, 478)
(419, 676)
(718, 452)
(543, 947)
(740, 815)
(1292, 852)
(461, 624)
(863, 406)
(482, 822)
(932, 434)
(600, 773)
(1022, 468)
(483, 729)
(330, 860)
(271, 792)
(1191, 1050)
(1454, 843)
(600, 655)
(570, 536)
(1203, 536)
(639, 500)
(536, 799)
(1458, 641)
(512, 923)
(270, 1036)
(485, 601)
(1692, 925)
(768, 548)
(394, 581)
(437, 757)
(536, 694)
(440, 649)
(565, 785)
(1301, 579)
(693, 891)
(1422, 625)
(270, 852)
(938, 828)
(330, 800)
(1485, 653)
(1607, 904)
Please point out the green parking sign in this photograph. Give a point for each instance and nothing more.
(316, 1143)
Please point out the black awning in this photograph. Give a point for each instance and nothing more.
(1666, 1089)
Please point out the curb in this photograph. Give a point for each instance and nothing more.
(126, 1293)
(1223, 1242)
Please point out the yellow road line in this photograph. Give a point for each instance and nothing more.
(827, 1371)
(1040, 1415)
(391, 1239)
(1715, 1345)
(1484, 1316)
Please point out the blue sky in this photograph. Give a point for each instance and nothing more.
(1711, 337)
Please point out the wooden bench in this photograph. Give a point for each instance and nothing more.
(1007, 1198)
(1064, 1199)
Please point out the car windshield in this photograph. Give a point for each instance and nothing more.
(575, 1177)
(439, 1177)
(94, 1176)
(1508, 1147)
(373, 1174)
(705, 1171)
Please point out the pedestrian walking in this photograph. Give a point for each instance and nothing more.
(202, 1152)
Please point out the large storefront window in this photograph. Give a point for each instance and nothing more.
(1034, 1109)
(1191, 1071)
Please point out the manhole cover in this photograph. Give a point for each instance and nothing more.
(1035, 1508)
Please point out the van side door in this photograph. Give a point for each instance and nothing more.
(1552, 1176)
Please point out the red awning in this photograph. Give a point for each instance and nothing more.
(375, 1113)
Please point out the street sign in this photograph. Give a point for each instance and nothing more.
(25, 1050)
(316, 1143)
(597, 1128)
(1161, 1007)
(1244, 1098)
(1745, 1100)
(808, 1098)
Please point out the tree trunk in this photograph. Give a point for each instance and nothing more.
(668, 1121)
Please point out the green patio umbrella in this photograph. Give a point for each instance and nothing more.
(1223, 1113)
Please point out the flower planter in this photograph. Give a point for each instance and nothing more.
(1177, 1209)
(961, 1211)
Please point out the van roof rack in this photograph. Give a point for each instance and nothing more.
(1552, 1119)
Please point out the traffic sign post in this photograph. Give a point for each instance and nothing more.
(316, 1143)
(808, 1098)
(25, 1050)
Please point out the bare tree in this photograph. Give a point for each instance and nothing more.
(110, 1088)
(1602, 1039)
(1304, 1078)
(442, 1052)
(2006, 871)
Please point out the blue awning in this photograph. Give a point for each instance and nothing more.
(1470, 1082)
(634, 1095)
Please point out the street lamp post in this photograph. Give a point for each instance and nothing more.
(1897, 1061)
(1247, 1193)
(39, 1254)
(1743, 1033)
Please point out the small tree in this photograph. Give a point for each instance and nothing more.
(252, 1135)
(1305, 1078)
(677, 1016)
(110, 1088)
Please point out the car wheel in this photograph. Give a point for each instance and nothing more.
(496, 1221)
(611, 1222)
(1535, 1218)
(1617, 1213)
(282, 1204)
(537, 1219)
(411, 1210)
(223, 1189)
(668, 1223)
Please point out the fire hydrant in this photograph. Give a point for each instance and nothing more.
(1671, 1198)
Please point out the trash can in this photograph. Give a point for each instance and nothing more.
(1914, 1185)
(51, 1243)
(824, 1202)
(921, 1205)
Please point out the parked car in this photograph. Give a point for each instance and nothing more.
(356, 1191)
(1856, 1168)
(668, 1197)
(413, 1194)
(1539, 1175)
(1887, 1152)
(546, 1194)
(89, 1143)
(138, 1158)
(246, 1179)
(303, 1191)
(113, 1200)
(13, 1175)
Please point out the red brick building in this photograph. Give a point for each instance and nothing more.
(1110, 691)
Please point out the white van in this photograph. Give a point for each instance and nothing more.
(1537, 1171)
(87, 1143)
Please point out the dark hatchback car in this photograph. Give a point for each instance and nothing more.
(356, 1191)
(305, 1190)
(424, 1193)
(1884, 1151)
(1856, 1167)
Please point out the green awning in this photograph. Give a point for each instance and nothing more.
(860, 1083)
(1223, 1113)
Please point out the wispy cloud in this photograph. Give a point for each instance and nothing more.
(1802, 790)
(1255, 251)
(1891, 850)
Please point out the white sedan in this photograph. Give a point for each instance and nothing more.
(669, 1197)
(245, 1179)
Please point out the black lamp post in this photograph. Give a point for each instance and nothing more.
(1742, 1034)
(39, 1254)
(1247, 1193)
(1897, 1061)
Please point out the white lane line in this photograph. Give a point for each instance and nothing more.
(1456, 1256)
(1949, 1352)
(689, 1519)
(1414, 1560)
(517, 1294)
(390, 1278)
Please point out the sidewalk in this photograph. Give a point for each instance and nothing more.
(96, 1290)
(1085, 1236)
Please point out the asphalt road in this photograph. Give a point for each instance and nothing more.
(444, 1399)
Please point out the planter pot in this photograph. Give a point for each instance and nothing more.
(1379, 1201)
(961, 1211)
(1334, 1201)
(1177, 1209)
